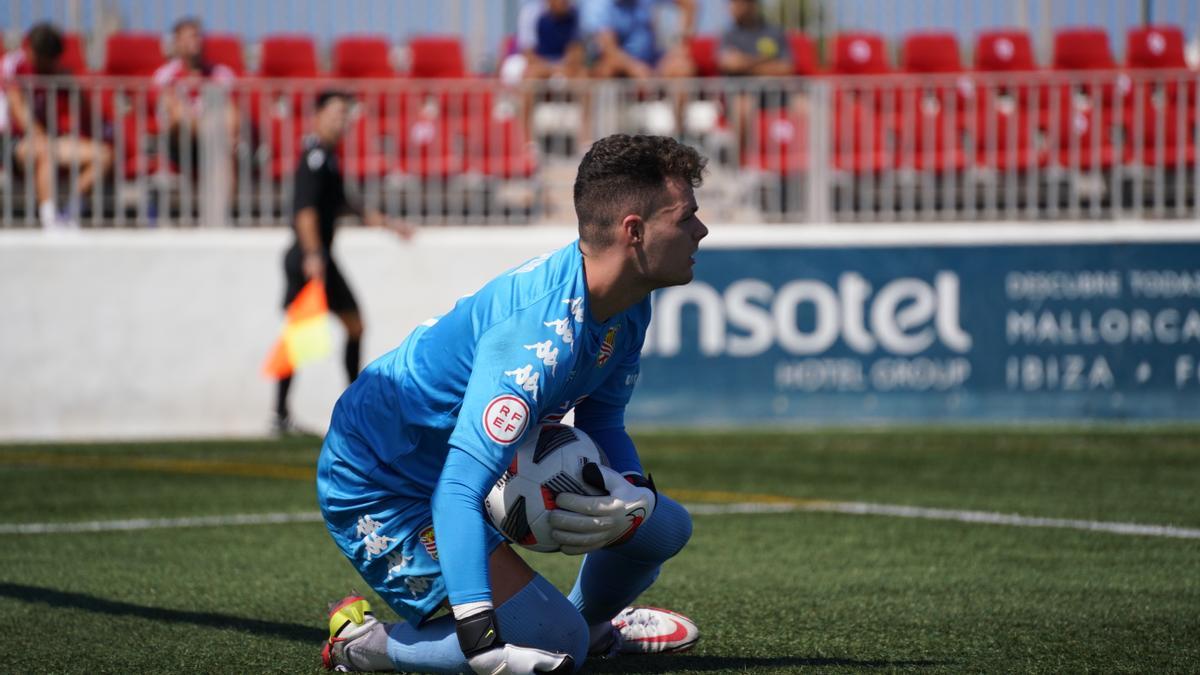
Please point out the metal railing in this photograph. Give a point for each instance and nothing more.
(1034, 146)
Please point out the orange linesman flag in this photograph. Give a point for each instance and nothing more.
(306, 333)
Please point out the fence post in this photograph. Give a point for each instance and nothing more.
(819, 156)
(214, 179)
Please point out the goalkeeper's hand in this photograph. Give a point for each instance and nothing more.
(487, 654)
(582, 523)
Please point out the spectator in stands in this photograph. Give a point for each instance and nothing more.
(549, 38)
(625, 41)
(46, 142)
(550, 47)
(179, 82)
(751, 46)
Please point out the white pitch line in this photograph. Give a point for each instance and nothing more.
(159, 523)
(850, 508)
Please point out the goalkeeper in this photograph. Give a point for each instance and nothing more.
(424, 432)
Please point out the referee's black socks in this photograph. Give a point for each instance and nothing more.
(281, 406)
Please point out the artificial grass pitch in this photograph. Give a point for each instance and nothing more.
(771, 592)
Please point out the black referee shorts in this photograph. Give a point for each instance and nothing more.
(336, 289)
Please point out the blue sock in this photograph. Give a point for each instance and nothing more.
(537, 616)
(611, 578)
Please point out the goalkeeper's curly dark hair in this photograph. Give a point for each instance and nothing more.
(623, 174)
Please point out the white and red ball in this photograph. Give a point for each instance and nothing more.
(550, 461)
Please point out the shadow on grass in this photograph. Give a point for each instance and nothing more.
(91, 603)
(672, 663)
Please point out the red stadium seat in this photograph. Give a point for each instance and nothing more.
(436, 56)
(1008, 51)
(133, 54)
(937, 53)
(933, 52)
(704, 50)
(1155, 47)
(288, 56)
(804, 54)
(1082, 49)
(1160, 48)
(362, 56)
(860, 54)
(1086, 49)
(1004, 50)
(73, 57)
(225, 49)
(284, 56)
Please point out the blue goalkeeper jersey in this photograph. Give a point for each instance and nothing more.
(440, 416)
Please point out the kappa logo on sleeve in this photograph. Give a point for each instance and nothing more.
(562, 328)
(547, 352)
(505, 418)
(526, 379)
(576, 308)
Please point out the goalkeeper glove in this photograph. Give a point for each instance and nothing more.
(583, 523)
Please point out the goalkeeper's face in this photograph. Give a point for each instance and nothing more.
(671, 237)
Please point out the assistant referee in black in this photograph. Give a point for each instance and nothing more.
(320, 199)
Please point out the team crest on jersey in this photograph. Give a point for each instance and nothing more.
(505, 418)
(606, 349)
(429, 542)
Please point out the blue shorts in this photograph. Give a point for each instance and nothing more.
(388, 537)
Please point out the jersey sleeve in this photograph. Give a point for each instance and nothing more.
(514, 369)
(307, 180)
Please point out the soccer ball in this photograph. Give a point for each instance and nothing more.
(550, 461)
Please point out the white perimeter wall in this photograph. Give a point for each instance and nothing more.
(162, 333)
